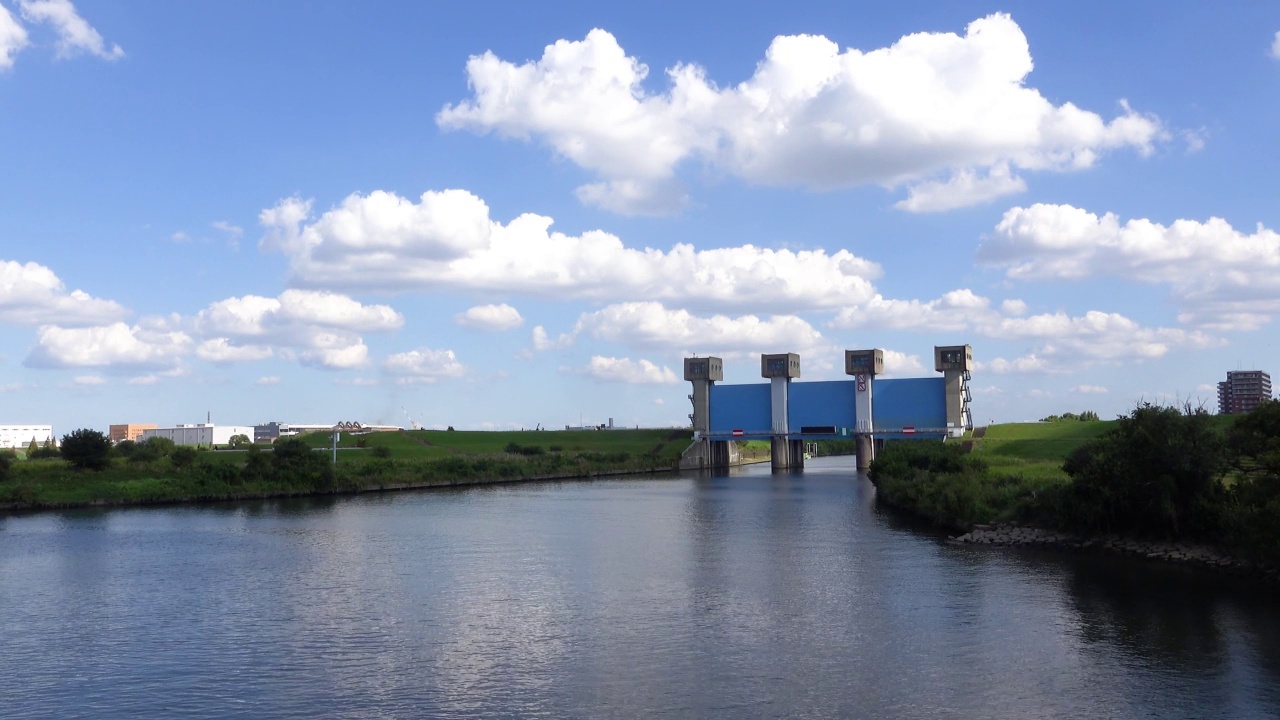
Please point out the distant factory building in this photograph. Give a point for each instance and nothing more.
(1242, 391)
(20, 436)
(120, 433)
(272, 431)
(203, 434)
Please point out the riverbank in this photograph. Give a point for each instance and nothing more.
(428, 484)
(1168, 484)
(381, 462)
(1207, 557)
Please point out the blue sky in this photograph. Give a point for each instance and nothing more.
(494, 215)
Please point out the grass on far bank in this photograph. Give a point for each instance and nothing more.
(365, 461)
(1034, 450)
(999, 478)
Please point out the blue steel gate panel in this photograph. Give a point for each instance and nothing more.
(908, 402)
(741, 407)
(828, 402)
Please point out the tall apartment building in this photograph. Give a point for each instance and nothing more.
(1242, 391)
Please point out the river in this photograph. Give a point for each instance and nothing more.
(748, 595)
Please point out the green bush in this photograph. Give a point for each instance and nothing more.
(152, 449)
(1253, 512)
(517, 449)
(45, 452)
(87, 449)
(6, 461)
(183, 457)
(1155, 472)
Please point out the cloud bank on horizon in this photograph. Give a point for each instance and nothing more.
(450, 279)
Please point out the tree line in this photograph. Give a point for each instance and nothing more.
(1160, 472)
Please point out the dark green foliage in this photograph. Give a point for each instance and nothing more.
(1254, 510)
(257, 466)
(152, 449)
(217, 473)
(183, 457)
(449, 429)
(382, 451)
(240, 441)
(295, 464)
(86, 449)
(32, 447)
(1155, 472)
(125, 448)
(6, 460)
(823, 448)
(903, 458)
(44, 452)
(1254, 440)
(517, 449)
(940, 481)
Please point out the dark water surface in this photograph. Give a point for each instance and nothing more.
(745, 596)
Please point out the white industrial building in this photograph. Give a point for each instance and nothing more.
(20, 436)
(201, 434)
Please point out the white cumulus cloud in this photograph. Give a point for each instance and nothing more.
(448, 241)
(651, 325)
(1221, 277)
(1094, 336)
(490, 317)
(424, 365)
(31, 293)
(323, 327)
(1275, 47)
(336, 353)
(626, 370)
(950, 116)
(75, 35)
(13, 38)
(220, 350)
(107, 346)
(543, 341)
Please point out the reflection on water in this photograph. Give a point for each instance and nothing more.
(743, 594)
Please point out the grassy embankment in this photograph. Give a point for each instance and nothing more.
(1015, 463)
(419, 458)
(1006, 476)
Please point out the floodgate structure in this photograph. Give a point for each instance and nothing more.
(866, 408)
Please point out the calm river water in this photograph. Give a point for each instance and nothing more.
(750, 595)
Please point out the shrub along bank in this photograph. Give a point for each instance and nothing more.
(300, 466)
(1160, 472)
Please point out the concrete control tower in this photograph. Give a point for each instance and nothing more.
(703, 372)
(863, 365)
(781, 369)
(955, 362)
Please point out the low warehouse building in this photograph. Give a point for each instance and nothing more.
(202, 434)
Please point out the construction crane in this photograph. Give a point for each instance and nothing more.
(413, 424)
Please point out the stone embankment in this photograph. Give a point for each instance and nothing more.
(1205, 556)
